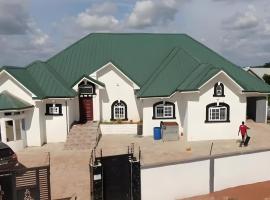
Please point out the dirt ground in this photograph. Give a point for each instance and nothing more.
(257, 191)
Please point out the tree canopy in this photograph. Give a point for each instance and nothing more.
(266, 78)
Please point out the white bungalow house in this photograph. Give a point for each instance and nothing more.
(129, 77)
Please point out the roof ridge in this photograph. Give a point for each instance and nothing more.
(53, 72)
(44, 66)
(161, 68)
(24, 70)
(33, 63)
(197, 68)
(172, 53)
(200, 76)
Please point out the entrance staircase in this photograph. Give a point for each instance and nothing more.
(82, 136)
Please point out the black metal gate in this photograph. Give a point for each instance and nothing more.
(26, 183)
(115, 177)
(6, 182)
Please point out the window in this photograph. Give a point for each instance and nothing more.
(217, 112)
(119, 110)
(164, 110)
(53, 109)
(219, 90)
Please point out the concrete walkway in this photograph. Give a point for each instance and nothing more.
(82, 136)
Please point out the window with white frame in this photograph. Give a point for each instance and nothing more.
(53, 109)
(119, 110)
(217, 112)
(163, 110)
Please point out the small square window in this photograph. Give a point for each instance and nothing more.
(53, 109)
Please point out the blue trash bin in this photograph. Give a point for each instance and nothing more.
(157, 133)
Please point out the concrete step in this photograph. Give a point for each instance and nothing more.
(82, 136)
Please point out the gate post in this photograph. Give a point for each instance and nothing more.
(96, 181)
(135, 179)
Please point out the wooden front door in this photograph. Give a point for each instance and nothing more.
(86, 109)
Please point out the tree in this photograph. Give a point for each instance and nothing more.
(267, 65)
(266, 78)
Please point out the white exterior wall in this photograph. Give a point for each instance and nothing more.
(240, 170)
(34, 131)
(118, 129)
(175, 181)
(180, 113)
(73, 111)
(96, 105)
(190, 111)
(197, 129)
(56, 126)
(118, 87)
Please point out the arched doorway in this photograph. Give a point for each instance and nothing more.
(86, 91)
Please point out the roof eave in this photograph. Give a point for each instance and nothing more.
(15, 109)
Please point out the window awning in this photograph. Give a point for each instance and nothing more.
(9, 102)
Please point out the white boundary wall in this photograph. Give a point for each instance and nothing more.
(118, 129)
(198, 177)
(175, 181)
(241, 170)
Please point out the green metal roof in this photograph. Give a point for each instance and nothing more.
(159, 64)
(10, 102)
(41, 80)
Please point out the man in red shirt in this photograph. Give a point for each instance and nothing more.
(243, 129)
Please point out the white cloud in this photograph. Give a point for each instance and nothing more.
(99, 17)
(106, 8)
(40, 38)
(246, 20)
(265, 32)
(148, 13)
(21, 39)
(95, 22)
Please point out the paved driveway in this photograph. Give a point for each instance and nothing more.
(69, 169)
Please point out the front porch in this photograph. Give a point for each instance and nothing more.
(12, 121)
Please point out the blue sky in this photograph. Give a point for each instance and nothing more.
(37, 29)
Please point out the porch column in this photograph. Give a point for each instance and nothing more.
(3, 131)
